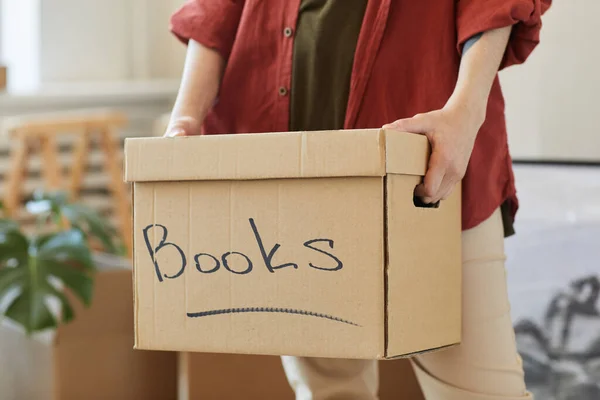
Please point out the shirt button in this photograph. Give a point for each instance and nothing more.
(287, 32)
(283, 91)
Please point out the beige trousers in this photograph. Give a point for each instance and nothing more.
(485, 366)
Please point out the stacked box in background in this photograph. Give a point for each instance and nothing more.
(233, 376)
(91, 358)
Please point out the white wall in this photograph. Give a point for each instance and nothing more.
(167, 54)
(553, 100)
(19, 34)
(83, 41)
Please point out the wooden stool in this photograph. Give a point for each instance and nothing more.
(41, 132)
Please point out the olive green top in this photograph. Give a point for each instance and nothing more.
(324, 45)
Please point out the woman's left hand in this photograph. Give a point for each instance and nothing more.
(451, 132)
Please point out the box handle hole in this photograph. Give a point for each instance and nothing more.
(418, 202)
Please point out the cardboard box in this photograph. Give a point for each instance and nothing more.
(292, 243)
(397, 381)
(231, 376)
(91, 358)
(226, 376)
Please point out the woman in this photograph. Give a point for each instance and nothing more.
(427, 67)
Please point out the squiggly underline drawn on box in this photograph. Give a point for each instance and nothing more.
(268, 310)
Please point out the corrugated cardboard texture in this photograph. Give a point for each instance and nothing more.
(274, 155)
(317, 310)
(339, 263)
(406, 153)
(232, 376)
(94, 356)
(424, 270)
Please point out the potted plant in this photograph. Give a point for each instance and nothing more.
(36, 267)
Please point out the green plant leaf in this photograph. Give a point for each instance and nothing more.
(55, 207)
(13, 244)
(10, 278)
(8, 224)
(63, 256)
(30, 310)
(68, 246)
(67, 313)
(56, 198)
(38, 240)
(93, 225)
(47, 205)
(80, 283)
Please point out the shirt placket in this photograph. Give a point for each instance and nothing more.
(284, 76)
(369, 40)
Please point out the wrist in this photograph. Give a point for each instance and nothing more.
(468, 106)
(188, 106)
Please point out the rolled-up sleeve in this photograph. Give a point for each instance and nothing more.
(213, 23)
(525, 16)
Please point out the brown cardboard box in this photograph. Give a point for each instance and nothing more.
(292, 243)
(91, 358)
(397, 381)
(231, 376)
(228, 376)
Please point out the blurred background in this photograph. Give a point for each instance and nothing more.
(77, 77)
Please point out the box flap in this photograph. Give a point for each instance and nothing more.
(256, 156)
(274, 155)
(406, 153)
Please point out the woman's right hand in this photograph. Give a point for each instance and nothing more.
(183, 126)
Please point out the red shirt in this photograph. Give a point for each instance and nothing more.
(406, 62)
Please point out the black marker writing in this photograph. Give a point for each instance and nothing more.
(207, 263)
(199, 268)
(226, 264)
(330, 242)
(268, 257)
(162, 243)
(223, 311)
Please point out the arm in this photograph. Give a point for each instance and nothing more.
(525, 17)
(453, 129)
(481, 59)
(209, 28)
(198, 90)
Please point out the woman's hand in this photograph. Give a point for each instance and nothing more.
(183, 126)
(451, 132)
(453, 129)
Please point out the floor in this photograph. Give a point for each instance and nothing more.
(554, 280)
